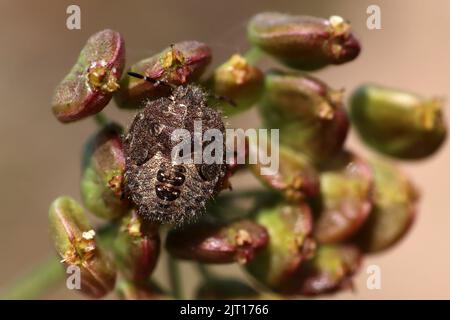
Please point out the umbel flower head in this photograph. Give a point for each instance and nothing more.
(303, 231)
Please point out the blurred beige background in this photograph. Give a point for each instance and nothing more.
(40, 157)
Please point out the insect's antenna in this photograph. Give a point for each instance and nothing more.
(151, 80)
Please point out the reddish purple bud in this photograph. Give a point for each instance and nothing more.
(331, 270)
(345, 198)
(310, 115)
(303, 42)
(289, 228)
(182, 63)
(76, 243)
(238, 81)
(102, 176)
(89, 86)
(296, 178)
(209, 242)
(137, 247)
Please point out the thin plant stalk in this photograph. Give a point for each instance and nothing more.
(32, 286)
(174, 278)
(253, 55)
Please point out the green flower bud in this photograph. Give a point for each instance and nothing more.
(239, 81)
(225, 289)
(75, 241)
(102, 174)
(329, 271)
(289, 228)
(302, 42)
(213, 242)
(179, 64)
(296, 178)
(309, 114)
(395, 205)
(90, 84)
(137, 248)
(345, 198)
(397, 123)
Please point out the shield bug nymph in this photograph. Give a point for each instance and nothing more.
(162, 189)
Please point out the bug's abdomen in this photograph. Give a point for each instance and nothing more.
(169, 182)
(166, 192)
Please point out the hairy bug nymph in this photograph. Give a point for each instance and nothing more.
(161, 189)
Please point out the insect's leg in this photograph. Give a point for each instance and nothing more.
(224, 98)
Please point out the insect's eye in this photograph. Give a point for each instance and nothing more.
(208, 171)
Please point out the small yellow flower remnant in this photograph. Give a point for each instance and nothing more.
(297, 182)
(115, 184)
(338, 28)
(100, 78)
(134, 227)
(293, 189)
(430, 113)
(88, 235)
(297, 243)
(239, 68)
(309, 248)
(325, 111)
(81, 249)
(243, 237)
(172, 58)
(338, 25)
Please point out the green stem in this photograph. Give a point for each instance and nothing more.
(49, 274)
(204, 272)
(174, 278)
(253, 55)
(101, 119)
